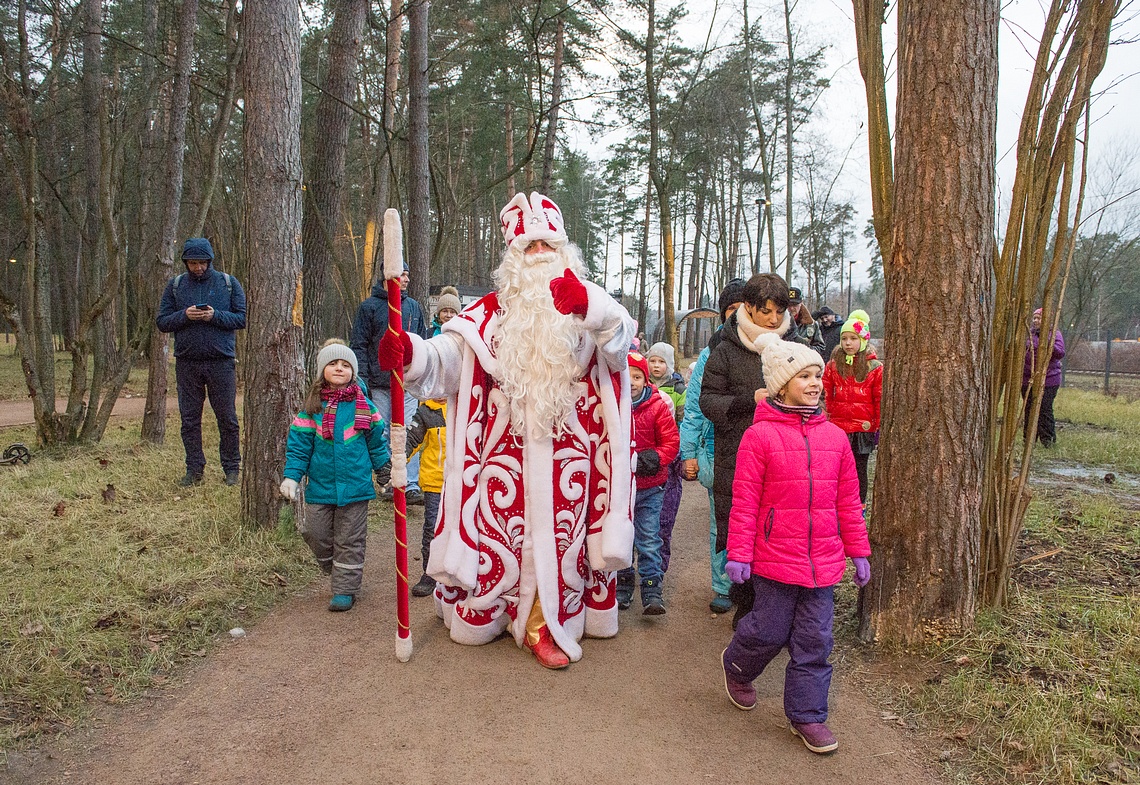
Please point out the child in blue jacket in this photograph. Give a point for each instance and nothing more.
(337, 440)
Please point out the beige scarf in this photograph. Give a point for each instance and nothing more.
(749, 331)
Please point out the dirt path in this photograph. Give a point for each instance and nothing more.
(21, 413)
(315, 697)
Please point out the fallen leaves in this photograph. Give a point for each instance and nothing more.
(59, 509)
(109, 494)
(32, 628)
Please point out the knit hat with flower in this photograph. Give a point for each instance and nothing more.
(858, 323)
(783, 360)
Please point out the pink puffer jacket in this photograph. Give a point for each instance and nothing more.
(796, 514)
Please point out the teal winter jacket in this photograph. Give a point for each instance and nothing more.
(339, 471)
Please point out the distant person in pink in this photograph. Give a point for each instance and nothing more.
(1046, 425)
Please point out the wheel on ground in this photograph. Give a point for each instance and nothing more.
(17, 453)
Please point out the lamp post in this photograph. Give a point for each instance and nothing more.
(760, 203)
(850, 268)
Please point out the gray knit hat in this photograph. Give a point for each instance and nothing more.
(666, 353)
(448, 298)
(336, 349)
(783, 360)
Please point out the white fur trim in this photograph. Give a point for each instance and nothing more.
(393, 244)
(598, 303)
(399, 441)
(419, 359)
(601, 624)
(403, 648)
(613, 549)
(470, 634)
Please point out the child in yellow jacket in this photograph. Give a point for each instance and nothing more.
(427, 435)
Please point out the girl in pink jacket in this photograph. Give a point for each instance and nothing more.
(796, 517)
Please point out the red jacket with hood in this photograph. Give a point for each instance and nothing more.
(853, 406)
(655, 429)
(796, 514)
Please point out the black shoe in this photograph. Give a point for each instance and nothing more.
(232, 478)
(720, 604)
(425, 586)
(651, 598)
(653, 607)
(415, 497)
(624, 601)
(386, 493)
(190, 479)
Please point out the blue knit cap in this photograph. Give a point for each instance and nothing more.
(198, 248)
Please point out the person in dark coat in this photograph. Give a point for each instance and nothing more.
(1046, 424)
(204, 308)
(733, 385)
(830, 327)
(369, 327)
(807, 329)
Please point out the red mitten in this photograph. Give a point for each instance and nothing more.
(570, 295)
(394, 351)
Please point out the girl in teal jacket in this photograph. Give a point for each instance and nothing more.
(337, 441)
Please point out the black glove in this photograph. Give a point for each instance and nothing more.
(384, 475)
(648, 463)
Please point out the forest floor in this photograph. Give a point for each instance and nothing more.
(313, 696)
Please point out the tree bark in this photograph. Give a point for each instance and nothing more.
(419, 174)
(789, 139)
(555, 101)
(936, 389)
(661, 186)
(271, 76)
(869, 21)
(324, 189)
(162, 265)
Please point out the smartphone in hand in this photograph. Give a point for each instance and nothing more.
(202, 306)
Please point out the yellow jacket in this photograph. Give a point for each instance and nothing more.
(427, 435)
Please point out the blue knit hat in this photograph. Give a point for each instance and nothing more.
(197, 248)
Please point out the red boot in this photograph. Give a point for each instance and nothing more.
(546, 651)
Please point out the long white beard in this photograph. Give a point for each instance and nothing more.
(536, 345)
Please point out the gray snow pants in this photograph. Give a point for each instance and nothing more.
(337, 536)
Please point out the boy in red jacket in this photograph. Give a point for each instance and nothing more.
(656, 441)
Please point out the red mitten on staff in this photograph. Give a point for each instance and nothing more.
(394, 351)
(570, 295)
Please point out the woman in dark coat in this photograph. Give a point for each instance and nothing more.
(732, 385)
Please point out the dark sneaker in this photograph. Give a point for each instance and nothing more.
(232, 478)
(653, 607)
(341, 602)
(816, 736)
(189, 479)
(414, 496)
(387, 493)
(720, 604)
(624, 599)
(425, 586)
(741, 693)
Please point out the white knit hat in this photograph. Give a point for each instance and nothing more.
(665, 352)
(336, 349)
(783, 360)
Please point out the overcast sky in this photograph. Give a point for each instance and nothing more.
(843, 109)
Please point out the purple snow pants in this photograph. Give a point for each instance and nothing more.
(669, 508)
(800, 619)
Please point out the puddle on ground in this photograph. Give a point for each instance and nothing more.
(1123, 485)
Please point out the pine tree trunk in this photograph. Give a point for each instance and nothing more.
(325, 185)
(162, 265)
(418, 219)
(271, 76)
(935, 396)
(555, 100)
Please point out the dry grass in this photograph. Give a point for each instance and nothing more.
(105, 593)
(1046, 690)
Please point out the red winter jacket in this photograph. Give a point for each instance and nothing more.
(796, 513)
(853, 406)
(655, 429)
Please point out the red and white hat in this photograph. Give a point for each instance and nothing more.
(538, 219)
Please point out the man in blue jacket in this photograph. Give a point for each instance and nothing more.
(203, 308)
(369, 327)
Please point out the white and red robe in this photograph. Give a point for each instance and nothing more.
(523, 518)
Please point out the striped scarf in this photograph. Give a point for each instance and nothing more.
(802, 411)
(332, 397)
